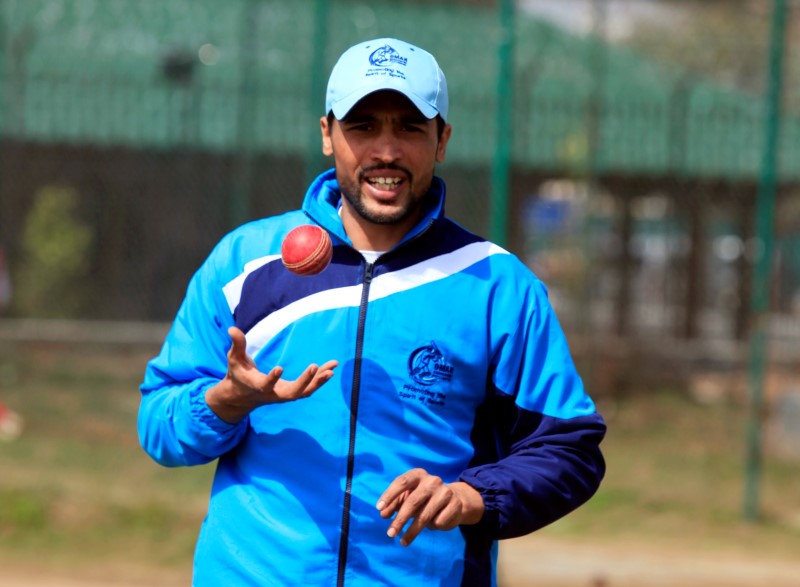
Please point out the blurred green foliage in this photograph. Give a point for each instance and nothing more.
(55, 244)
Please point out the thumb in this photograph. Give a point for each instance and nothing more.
(238, 345)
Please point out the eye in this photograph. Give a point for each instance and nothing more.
(359, 126)
(414, 127)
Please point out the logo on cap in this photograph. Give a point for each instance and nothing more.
(386, 55)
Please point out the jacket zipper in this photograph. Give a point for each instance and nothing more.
(362, 320)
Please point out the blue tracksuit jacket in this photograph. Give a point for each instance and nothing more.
(450, 359)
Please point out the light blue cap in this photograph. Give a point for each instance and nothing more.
(387, 64)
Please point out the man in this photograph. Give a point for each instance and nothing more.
(447, 414)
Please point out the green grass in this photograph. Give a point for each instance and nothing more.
(676, 479)
(76, 485)
(76, 488)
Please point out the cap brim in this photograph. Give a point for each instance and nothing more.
(343, 106)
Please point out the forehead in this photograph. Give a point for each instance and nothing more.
(383, 103)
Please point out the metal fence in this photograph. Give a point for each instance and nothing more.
(135, 133)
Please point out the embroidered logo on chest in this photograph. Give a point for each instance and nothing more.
(427, 365)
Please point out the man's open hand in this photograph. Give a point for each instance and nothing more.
(245, 387)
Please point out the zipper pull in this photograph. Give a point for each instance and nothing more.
(368, 273)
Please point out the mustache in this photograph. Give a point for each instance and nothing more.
(385, 167)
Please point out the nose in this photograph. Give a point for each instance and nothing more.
(387, 148)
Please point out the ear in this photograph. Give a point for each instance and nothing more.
(441, 148)
(327, 146)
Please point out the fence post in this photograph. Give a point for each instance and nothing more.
(243, 151)
(765, 222)
(314, 158)
(598, 61)
(501, 162)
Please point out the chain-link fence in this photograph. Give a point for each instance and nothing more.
(136, 133)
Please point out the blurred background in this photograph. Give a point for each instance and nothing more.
(641, 156)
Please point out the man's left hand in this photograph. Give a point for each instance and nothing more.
(430, 503)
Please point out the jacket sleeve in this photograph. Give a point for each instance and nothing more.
(176, 426)
(538, 434)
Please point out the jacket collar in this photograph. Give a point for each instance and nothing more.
(323, 197)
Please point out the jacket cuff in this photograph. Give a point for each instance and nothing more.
(200, 412)
(491, 522)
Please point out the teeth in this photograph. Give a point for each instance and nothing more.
(390, 181)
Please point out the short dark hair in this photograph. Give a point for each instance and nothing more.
(440, 124)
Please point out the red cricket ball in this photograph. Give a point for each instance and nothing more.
(307, 249)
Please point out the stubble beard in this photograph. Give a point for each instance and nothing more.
(354, 196)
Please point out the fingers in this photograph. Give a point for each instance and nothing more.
(290, 390)
(439, 513)
(242, 368)
(309, 381)
(424, 500)
(238, 344)
(390, 500)
(329, 366)
(323, 375)
(237, 356)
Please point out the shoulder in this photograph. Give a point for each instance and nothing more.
(508, 265)
(513, 280)
(258, 237)
(249, 243)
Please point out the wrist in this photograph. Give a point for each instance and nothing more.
(219, 400)
(472, 506)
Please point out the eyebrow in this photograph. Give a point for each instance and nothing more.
(356, 119)
(409, 117)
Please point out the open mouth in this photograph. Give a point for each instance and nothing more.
(384, 183)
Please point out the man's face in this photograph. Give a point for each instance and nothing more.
(385, 151)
